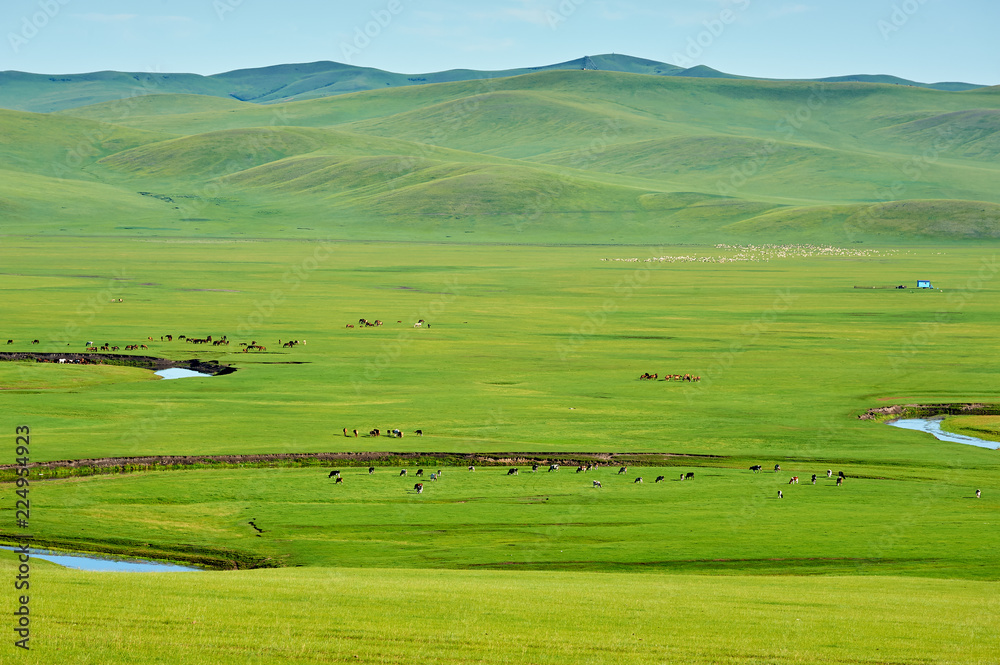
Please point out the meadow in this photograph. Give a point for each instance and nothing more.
(549, 273)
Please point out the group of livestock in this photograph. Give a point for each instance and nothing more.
(365, 323)
(394, 433)
(794, 480)
(512, 471)
(221, 341)
(646, 376)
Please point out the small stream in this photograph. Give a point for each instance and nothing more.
(933, 426)
(104, 563)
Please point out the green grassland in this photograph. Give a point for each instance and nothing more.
(515, 217)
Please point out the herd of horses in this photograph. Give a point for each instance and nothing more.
(365, 323)
(646, 376)
(222, 341)
(394, 433)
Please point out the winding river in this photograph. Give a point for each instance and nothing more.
(933, 426)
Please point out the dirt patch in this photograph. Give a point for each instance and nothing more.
(898, 411)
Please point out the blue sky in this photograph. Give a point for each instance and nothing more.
(925, 40)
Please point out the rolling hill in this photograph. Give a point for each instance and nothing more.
(550, 156)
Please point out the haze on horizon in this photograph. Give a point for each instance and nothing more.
(922, 40)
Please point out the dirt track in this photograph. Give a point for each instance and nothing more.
(370, 458)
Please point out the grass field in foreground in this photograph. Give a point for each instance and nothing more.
(429, 616)
(722, 521)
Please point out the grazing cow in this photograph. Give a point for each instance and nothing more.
(637, 480)
(397, 433)
(553, 467)
(419, 432)
(144, 346)
(420, 472)
(682, 475)
(780, 495)
(840, 474)
(339, 480)
(978, 493)
(35, 341)
(375, 432)
(534, 467)
(402, 472)
(659, 478)
(472, 468)
(345, 432)
(793, 480)
(579, 469)
(829, 473)
(597, 483)
(511, 472)
(419, 487)
(840, 481)
(10, 341)
(814, 479)
(434, 476)
(689, 474)
(622, 470)
(756, 468)
(371, 470)
(334, 473)
(777, 468)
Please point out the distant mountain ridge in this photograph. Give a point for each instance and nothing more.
(45, 93)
